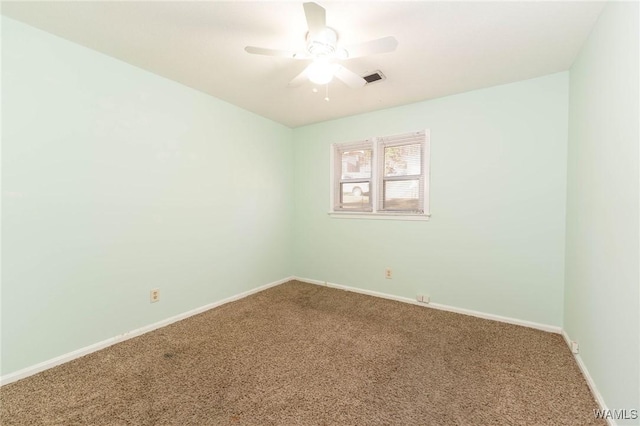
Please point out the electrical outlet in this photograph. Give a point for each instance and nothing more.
(155, 295)
(388, 273)
(575, 348)
(423, 298)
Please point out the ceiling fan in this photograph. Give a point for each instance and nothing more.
(323, 50)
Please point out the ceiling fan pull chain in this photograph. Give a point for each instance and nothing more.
(326, 97)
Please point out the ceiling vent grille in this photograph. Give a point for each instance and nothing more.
(374, 77)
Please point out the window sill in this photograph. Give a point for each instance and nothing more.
(380, 216)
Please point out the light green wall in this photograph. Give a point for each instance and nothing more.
(602, 257)
(116, 181)
(495, 242)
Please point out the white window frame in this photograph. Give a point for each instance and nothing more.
(377, 145)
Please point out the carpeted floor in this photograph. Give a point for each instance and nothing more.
(300, 354)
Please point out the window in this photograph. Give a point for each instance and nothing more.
(386, 177)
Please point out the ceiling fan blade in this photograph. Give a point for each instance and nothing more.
(299, 79)
(349, 77)
(272, 52)
(381, 45)
(316, 17)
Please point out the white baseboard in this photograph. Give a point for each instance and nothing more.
(515, 321)
(592, 385)
(543, 327)
(37, 368)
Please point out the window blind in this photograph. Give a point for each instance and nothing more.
(401, 177)
(385, 177)
(353, 175)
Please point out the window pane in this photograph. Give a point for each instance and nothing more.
(356, 164)
(401, 195)
(402, 160)
(354, 196)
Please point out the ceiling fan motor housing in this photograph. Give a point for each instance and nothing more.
(323, 43)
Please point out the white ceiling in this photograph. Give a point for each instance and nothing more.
(443, 47)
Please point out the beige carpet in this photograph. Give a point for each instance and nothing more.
(300, 354)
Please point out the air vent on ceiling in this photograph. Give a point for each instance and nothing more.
(374, 77)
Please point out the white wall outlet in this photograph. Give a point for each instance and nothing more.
(155, 295)
(423, 298)
(388, 273)
(575, 348)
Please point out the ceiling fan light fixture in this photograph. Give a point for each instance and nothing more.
(320, 71)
